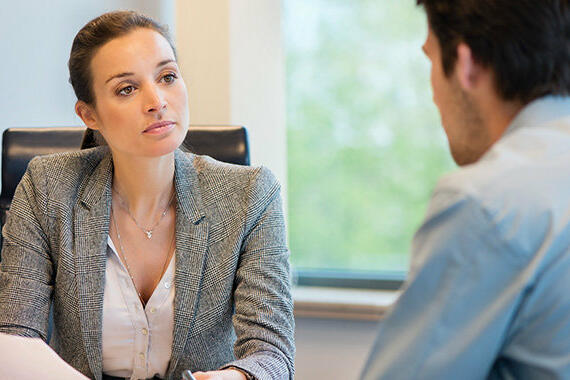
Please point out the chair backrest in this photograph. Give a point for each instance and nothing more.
(225, 143)
(20, 145)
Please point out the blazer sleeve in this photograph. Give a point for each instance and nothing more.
(26, 270)
(263, 318)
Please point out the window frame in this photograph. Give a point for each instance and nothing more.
(378, 280)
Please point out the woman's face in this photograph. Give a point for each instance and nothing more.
(141, 103)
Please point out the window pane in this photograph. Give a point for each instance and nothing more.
(365, 146)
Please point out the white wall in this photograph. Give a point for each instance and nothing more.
(257, 79)
(332, 348)
(231, 57)
(203, 42)
(35, 41)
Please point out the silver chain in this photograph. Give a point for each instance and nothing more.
(124, 258)
(147, 231)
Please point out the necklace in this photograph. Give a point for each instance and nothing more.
(147, 231)
(129, 271)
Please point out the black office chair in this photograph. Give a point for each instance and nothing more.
(222, 142)
(20, 145)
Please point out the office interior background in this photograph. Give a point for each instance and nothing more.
(336, 99)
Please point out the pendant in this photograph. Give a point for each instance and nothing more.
(148, 234)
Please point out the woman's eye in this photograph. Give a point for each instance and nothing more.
(169, 78)
(125, 91)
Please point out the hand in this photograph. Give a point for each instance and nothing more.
(226, 374)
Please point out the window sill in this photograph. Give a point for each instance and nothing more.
(342, 303)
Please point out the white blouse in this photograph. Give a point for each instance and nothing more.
(137, 342)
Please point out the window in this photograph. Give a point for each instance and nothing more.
(365, 145)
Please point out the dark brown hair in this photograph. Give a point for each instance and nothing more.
(525, 42)
(95, 34)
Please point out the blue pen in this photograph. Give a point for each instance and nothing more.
(187, 375)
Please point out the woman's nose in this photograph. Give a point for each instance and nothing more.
(155, 101)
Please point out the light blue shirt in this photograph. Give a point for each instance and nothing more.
(488, 293)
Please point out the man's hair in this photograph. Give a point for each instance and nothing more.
(525, 42)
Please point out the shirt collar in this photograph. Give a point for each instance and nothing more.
(540, 111)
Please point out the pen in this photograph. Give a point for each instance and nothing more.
(187, 375)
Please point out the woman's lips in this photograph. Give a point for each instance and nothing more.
(159, 127)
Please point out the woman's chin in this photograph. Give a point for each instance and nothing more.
(159, 151)
(164, 146)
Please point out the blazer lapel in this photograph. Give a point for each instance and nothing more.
(91, 228)
(191, 247)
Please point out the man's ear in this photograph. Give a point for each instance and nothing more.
(467, 71)
(87, 114)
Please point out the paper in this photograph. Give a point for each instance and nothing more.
(31, 358)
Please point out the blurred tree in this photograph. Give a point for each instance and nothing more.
(365, 146)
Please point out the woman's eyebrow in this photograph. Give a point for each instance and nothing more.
(118, 76)
(166, 61)
(126, 74)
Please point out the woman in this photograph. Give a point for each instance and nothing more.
(155, 261)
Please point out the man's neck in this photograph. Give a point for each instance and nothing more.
(497, 114)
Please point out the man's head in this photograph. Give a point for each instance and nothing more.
(489, 57)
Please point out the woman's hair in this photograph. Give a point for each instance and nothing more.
(95, 34)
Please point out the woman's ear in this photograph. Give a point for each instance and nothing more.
(87, 114)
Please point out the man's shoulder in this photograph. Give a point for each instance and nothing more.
(520, 186)
(527, 164)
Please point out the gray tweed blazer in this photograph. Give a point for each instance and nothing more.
(233, 304)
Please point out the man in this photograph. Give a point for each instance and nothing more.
(488, 293)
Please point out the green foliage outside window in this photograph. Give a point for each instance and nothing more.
(365, 145)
